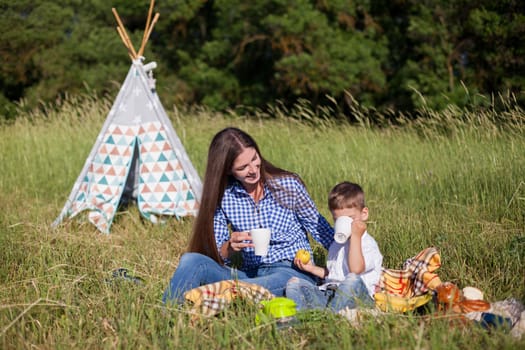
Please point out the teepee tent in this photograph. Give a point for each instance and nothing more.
(137, 155)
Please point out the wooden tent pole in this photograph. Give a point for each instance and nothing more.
(146, 29)
(125, 34)
(126, 42)
(150, 29)
(130, 53)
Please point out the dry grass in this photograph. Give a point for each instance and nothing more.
(454, 180)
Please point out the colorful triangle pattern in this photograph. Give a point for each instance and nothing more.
(163, 186)
(104, 182)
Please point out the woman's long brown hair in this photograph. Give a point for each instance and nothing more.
(225, 146)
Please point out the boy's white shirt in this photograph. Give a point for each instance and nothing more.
(337, 263)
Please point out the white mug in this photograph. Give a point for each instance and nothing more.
(342, 229)
(261, 240)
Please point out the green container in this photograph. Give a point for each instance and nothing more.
(279, 309)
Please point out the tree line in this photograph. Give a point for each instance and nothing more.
(387, 54)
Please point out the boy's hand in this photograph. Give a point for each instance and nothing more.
(311, 268)
(358, 228)
(304, 267)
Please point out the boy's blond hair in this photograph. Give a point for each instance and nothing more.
(346, 195)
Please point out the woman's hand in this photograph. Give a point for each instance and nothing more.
(238, 241)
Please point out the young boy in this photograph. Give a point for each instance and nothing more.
(353, 268)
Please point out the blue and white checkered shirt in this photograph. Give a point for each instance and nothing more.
(288, 210)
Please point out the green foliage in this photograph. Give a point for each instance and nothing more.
(391, 55)
(7, 108)
(498, 45)
(27, 28)
(290, 50)
(56, 49)
(215, 86)
(433, 67)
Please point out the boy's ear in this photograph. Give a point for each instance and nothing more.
(364, 214)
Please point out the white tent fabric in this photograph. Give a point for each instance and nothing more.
(136, 155)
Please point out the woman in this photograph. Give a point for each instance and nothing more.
(242, 191)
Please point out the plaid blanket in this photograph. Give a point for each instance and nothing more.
(417, 276)
(210, 299)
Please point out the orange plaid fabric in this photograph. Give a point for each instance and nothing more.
(210, 299)
(417, 276)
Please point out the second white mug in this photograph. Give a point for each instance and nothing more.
(342, 229)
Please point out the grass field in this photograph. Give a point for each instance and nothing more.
(455, 181)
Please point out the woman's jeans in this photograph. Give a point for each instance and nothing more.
(196, 269)
(352, 292)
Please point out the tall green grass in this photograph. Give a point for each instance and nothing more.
(453, 180)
